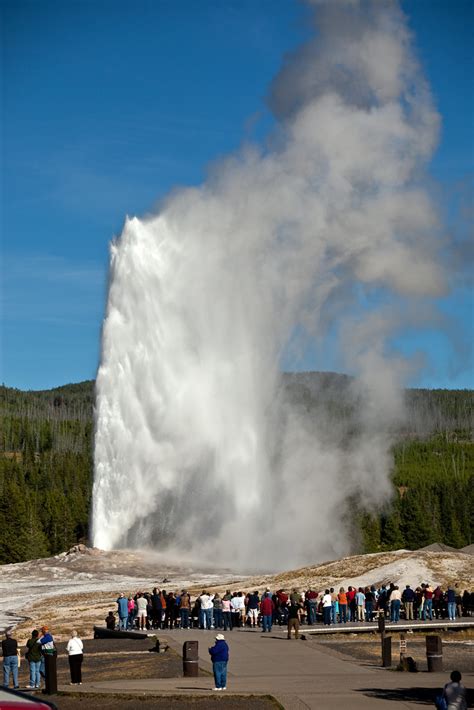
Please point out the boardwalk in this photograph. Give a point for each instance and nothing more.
(301, 675)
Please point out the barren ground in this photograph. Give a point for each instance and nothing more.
(77, 589)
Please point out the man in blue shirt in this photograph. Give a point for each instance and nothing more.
(220, 657)
(122, 604)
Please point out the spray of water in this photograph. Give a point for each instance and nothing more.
(196, 449)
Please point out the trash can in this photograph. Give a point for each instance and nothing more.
(50, 673)
(434, 653)
(190, 659)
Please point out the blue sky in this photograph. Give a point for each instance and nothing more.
(108, 105)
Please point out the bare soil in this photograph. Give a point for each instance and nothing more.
(124, 702)
(78, 588)
(458, 650)
(111, 659)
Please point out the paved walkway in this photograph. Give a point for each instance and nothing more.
(302, 675)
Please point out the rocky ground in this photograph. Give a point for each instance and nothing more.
(400, 567)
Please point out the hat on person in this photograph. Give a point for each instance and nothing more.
(44, 628)
(220, 637)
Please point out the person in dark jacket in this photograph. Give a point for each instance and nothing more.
(451, 601)
(408, 597)
(169, 611)
(293, 620)
(10, 660)
(220, 657)
(110, 621)
(33, 656)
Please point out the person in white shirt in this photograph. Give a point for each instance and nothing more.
(395, 602)
(75, 657)
(360, 602)
(327, 607)
(237, 604)
(142, 604)
(207, 607)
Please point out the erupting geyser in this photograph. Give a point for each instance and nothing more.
(195, 448)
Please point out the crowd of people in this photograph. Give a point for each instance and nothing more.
(160, 609)
(38, 647)
(453, 695)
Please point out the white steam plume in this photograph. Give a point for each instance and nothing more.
(196, 448)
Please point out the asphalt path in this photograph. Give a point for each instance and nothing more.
(301, 675)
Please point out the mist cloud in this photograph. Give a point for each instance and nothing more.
(196, 446)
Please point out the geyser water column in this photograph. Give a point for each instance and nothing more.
(195, 448)
(181, 441)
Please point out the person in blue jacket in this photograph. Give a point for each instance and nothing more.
(48, 648)
(122, 604)
(220, 657)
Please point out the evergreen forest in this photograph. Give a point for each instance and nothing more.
(46, 466)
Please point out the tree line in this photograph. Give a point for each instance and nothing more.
(45, 470)
(46, 467)
(433, 497)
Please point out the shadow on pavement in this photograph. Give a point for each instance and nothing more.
(423, 696)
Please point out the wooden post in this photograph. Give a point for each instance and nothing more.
(386, 642)
(434, 653)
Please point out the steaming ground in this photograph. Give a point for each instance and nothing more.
(88, 571)
(79, 588)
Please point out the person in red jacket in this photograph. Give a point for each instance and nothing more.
(311, 600)
(427, 602)
(281, 603)
(351, 606)
(266, 610)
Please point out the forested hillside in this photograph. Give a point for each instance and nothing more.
(45, 470)
(46, 465)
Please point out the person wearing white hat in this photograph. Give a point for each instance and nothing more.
(220, 657)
